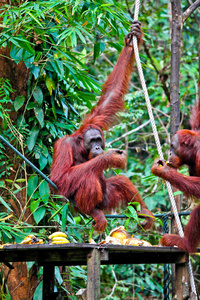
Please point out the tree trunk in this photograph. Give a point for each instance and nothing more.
(21, 283)
(175, 65)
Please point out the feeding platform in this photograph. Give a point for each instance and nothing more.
(92, 255)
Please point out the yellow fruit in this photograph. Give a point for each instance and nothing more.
(58, 234)
(120, 233)
(60, 242)
(136, 242)
(133, 242)
(28, 239)
(31, 239)
(111, 240)
(59, 238)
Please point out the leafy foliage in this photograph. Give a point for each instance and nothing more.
(69, 48)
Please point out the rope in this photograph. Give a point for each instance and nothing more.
(157, 141)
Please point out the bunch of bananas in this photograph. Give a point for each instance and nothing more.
(58, 238)
(31, 239)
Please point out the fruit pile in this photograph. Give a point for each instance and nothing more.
(119, 236)
(58, 238)
(31, 239)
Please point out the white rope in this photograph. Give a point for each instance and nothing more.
(157, 141)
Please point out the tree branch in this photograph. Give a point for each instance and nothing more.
(128, 133)
(190, 10)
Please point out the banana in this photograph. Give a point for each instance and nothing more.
(58, 234)
(27, 240)
(59, 238)
(60, 242)
(31, 239)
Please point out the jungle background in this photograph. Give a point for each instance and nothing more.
(54, 58)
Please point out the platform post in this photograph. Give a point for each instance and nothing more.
(181, 284)
(48, 282)
(93, 275)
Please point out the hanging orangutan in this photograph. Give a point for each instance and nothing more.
(79, 159)
(185, 149)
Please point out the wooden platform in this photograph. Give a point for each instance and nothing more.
(92, 255)
(77, 254)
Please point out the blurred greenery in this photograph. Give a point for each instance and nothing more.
(69, 48)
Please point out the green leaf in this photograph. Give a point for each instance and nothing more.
(96, 51)
(73, 39)
(22, 43)
(5, 204)
(9, 180)
(7, 233)
(32, 138)
(18, 102)
(42, 161)
(50, 84)
(102, 46)
(39, 115)
(58, 67)
(98, 48)
(34, 18)
(39, 214)
(136, 205)
(21, 180)
(80, 35)
(58, 276)
(38, 95)
(55, 214)
(126, 223)
(77, 234)
(32, 185)
(133, 213)
(64, 216)
(44, 190)
(38, 292)
(177, 193)
(30, 105)
(34, 205)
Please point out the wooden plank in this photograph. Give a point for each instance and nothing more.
(76, 254)
(93, 275)
(142, 255)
